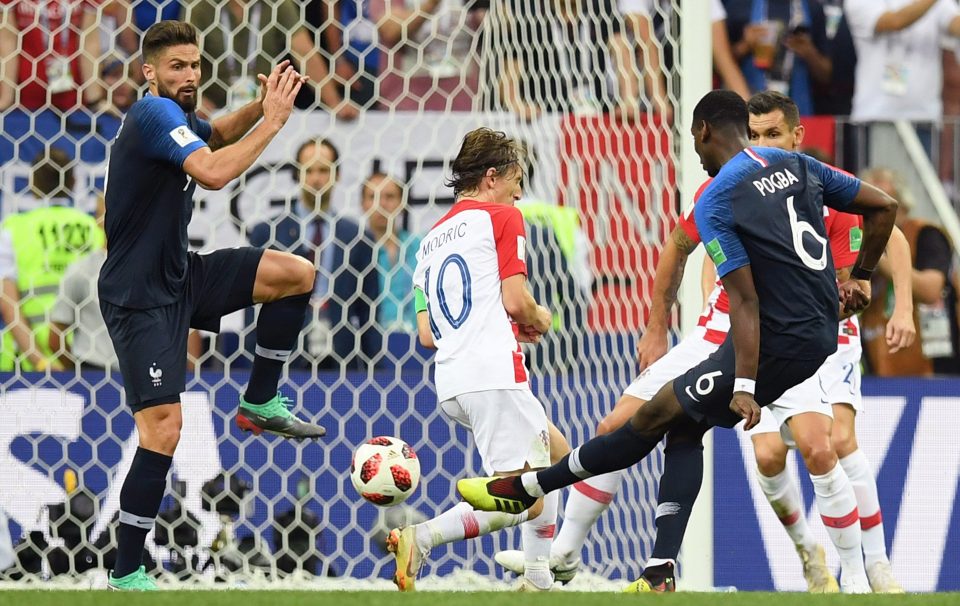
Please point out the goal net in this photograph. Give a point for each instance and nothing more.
(589, 88)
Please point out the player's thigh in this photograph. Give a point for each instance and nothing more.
(844, 432)
(559, 447)
(805, 397)
(151, 346)
(840, 377)
(510, 429)
(704, 391)
(282, 274)
(219, 283)
(688, 353)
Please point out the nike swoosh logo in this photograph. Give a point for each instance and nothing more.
(410, 572)
(690, 393)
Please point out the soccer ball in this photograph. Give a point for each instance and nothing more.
(385, 470)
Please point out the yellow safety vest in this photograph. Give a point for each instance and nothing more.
(45, 242)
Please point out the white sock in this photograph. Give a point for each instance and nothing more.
(586, 500)
(858, 469)
(537, 538)
(530, 484)
(784, 496)
(838, 509)
(462, 522)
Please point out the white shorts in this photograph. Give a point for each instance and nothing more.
(799, 399)
(840, 376)
(508, 425)
(836, 382)
(689, 352)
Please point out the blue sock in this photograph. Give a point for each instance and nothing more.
(611, 452)
(140, 500)
(278, 327)
(679, 487)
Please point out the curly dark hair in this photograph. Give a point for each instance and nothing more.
(483, 149)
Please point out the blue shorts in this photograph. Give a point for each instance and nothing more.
(705, 390)
(151, 344)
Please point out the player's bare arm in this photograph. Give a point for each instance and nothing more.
(901, 330)
(522, 307)
(228, 129)
(879, 214)
(214, 169)
(423, 330)
(745, 329)
(666, 284)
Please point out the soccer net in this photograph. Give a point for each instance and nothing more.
(590, 92)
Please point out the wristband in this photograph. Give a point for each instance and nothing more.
(859, 273)
(746, 385)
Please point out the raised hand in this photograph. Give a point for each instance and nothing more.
(280, 91)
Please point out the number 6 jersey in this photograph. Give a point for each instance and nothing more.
(460, 265)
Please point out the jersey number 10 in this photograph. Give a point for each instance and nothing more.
(467, 303)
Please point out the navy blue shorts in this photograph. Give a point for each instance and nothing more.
(151, 344)
(705, 390)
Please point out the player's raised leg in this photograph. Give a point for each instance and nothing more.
(835, 497)
(603, 454)
(858, 469)
(284, 285)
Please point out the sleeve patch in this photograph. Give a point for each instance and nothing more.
(856, 239)
(716, 251)
(521, 248)
(183, 136)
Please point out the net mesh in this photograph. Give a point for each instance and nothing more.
(397, 84)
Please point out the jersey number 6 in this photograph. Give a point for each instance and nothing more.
(467, 303)
(798, 228)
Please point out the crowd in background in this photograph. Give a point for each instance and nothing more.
(870, 60)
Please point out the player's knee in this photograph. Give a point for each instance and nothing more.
(163, 435)
(771, 457)
(844, 440)
(819, 457)
(303, 275)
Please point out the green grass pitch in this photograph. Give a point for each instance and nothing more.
(381, 598)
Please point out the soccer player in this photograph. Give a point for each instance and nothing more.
(152, 290)
(774, 122)
(473, 306)
(762, 221)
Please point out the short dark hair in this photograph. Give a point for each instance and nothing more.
(165, 34)
(482, 149)
(321, 142)
(770, 101)
(722, 108)
(52, 174)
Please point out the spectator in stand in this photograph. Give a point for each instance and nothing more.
(343, 331)
(781, 45)
(349, 36)
(639, 14)
(431, 50)
(835, 97)
(36, 248)
(384, 204)
(48, 54)
(248, 37)
(121, 90)
(937, 350)
(899, 64)
(583, 63)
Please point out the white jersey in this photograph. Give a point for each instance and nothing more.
(460, 266)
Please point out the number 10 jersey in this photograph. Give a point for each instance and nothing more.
(460, 266)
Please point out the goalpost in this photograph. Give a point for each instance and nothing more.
(249, 510)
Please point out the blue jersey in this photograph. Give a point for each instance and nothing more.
(149, 200)
(765, 209)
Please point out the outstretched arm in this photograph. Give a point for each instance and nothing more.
(879, 214)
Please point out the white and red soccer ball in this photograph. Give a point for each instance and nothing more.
(385, 470)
